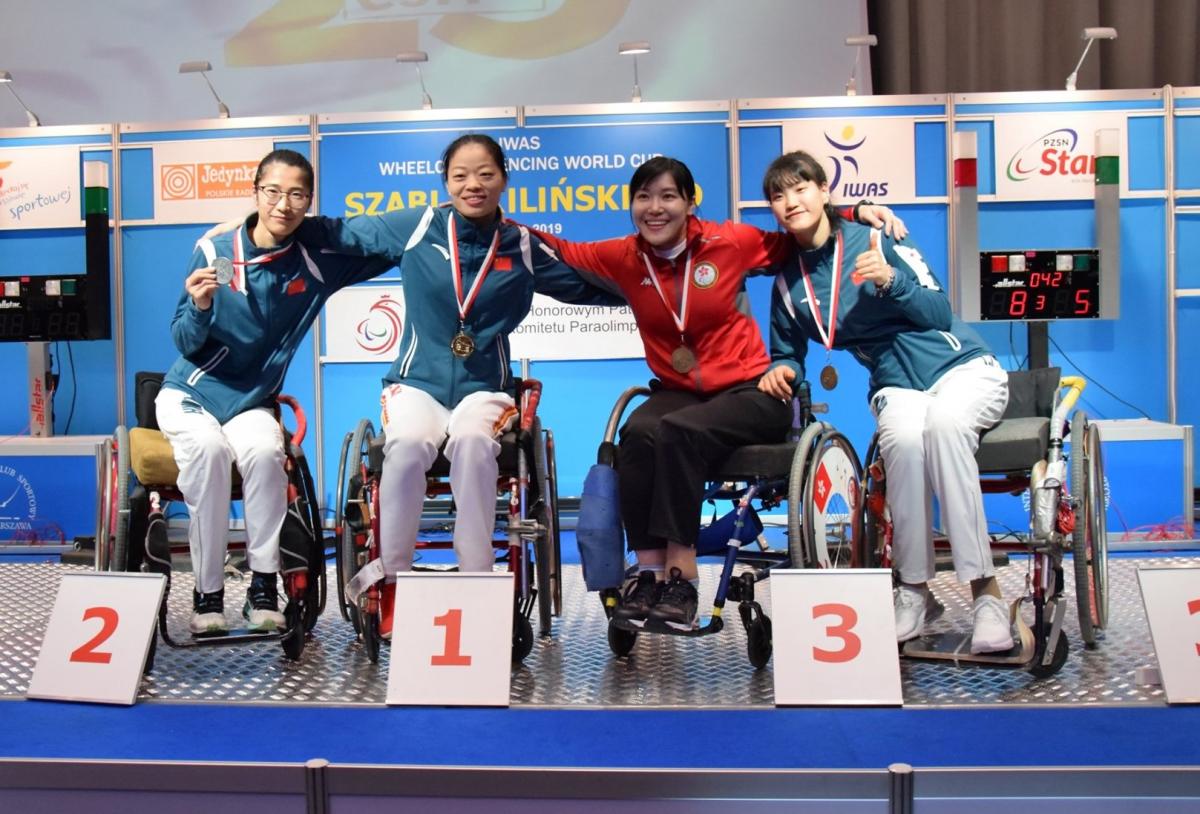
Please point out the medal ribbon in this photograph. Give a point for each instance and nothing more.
(834, 287)
(681, 317)
(238, 283)
(464, 306)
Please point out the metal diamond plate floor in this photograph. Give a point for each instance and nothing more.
(574, 667)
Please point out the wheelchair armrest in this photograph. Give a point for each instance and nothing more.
(618, 410)
(298, 412)
(529, 393)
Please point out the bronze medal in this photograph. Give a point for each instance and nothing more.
(462, 345)
(682, 359)
(829, 377)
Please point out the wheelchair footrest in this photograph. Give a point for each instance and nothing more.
(956, 646)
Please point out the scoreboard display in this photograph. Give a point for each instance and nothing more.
(46, 309)
(1040, 285)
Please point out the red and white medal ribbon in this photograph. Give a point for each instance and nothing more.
(238, 283)
(834, 287)
(681, 317)
(464, 305)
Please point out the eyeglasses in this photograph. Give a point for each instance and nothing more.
(296, 198)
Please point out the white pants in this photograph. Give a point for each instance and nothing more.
(928, 442)
(205, 451)
(416, 425)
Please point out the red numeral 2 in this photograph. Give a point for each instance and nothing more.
(852, 645)
(450, 655)
(87, 652)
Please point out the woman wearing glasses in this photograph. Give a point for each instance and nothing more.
(249, 298)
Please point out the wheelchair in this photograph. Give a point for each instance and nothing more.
(530, 541)
(132, 527)
(816, 472)
(1025, 451)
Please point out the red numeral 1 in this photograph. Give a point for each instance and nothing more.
(87, 652)
(1194, 608)
(852, 644)
(450, 656)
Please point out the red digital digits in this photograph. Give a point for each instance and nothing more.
(87, 653)
(852, 645)
(450, 655)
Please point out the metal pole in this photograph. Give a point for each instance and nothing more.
(900, 799)
(316, 790)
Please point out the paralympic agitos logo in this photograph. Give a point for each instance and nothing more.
(379, 332)
(1053, 154)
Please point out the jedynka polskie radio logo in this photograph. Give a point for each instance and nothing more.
(207, 181)
(1052, 154)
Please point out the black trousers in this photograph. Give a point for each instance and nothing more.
(668, 446)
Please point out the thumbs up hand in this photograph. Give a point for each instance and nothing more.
(872, 266)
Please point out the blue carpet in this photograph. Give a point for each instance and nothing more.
(769, 739)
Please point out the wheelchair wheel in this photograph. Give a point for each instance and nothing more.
(1039, 670)
(830, 501)
(1089, 540)
(294, 618)
(352, 546)
(870, 535)
(339, 518)
(113, 544)
(758, 642)
(795, 497)
(556, 591)
(621, 641)
(314, 598)
(545, 562)
(369, 623)
(522, 644)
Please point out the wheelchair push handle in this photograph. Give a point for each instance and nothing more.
(298, 412)
(1074, 386)
(529, 393)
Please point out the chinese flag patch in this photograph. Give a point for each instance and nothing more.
(296, 286)
(503, 264)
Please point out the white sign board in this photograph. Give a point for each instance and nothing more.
(1171, 597)
(206, 181)
(452, 639)
(834, 633)
(39, 188)
(97, 639)
(1052, 156)
(365, 323)
(864, 157)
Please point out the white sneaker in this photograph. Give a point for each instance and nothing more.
(993, 630)
(208, 624)
(263, 620)
(910, 605)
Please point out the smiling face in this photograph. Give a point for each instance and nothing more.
(475, 183)
(660, 212)
(799, 206)
(293, 192)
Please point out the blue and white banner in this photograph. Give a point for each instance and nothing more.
(39, 187)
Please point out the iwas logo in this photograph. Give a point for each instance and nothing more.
(1053, 154)
(848, 181)
(380, 330)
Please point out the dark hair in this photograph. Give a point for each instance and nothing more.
(792, 168)
(487, 142)
(658, 165)
(290, 158)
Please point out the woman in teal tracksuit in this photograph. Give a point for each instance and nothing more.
(934, 384)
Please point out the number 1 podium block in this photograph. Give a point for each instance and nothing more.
(97, 639)
(452, 639)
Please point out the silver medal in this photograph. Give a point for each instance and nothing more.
(223, 266)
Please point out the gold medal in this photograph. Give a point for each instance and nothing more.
(462, 345)
(682, 359)
(829, 377)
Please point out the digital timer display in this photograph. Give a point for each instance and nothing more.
(1040, 285)
(41, 309)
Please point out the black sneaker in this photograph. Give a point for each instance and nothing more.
(262, 604)
(639, 597)
(208, 614)
(677, 605)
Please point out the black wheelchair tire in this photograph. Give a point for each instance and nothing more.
(868, 537)
(118, 553)
(621, 641)
(347, 559)
(1089, 544)
(339, 518)
(829, 439)
(759, 645)
(795, 494)
(293, 642)
(522, 644)
(370, 634)
(1061, 650)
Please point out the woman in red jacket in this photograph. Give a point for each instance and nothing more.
(683, 278)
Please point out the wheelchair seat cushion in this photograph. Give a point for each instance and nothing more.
(151, 457)
(441, 467)
(756, 461)
(1013, 445)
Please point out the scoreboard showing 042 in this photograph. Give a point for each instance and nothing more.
(1046, 284)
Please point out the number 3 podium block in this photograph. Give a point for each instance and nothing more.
(99, 634)
(452, 640)
(835, 637)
